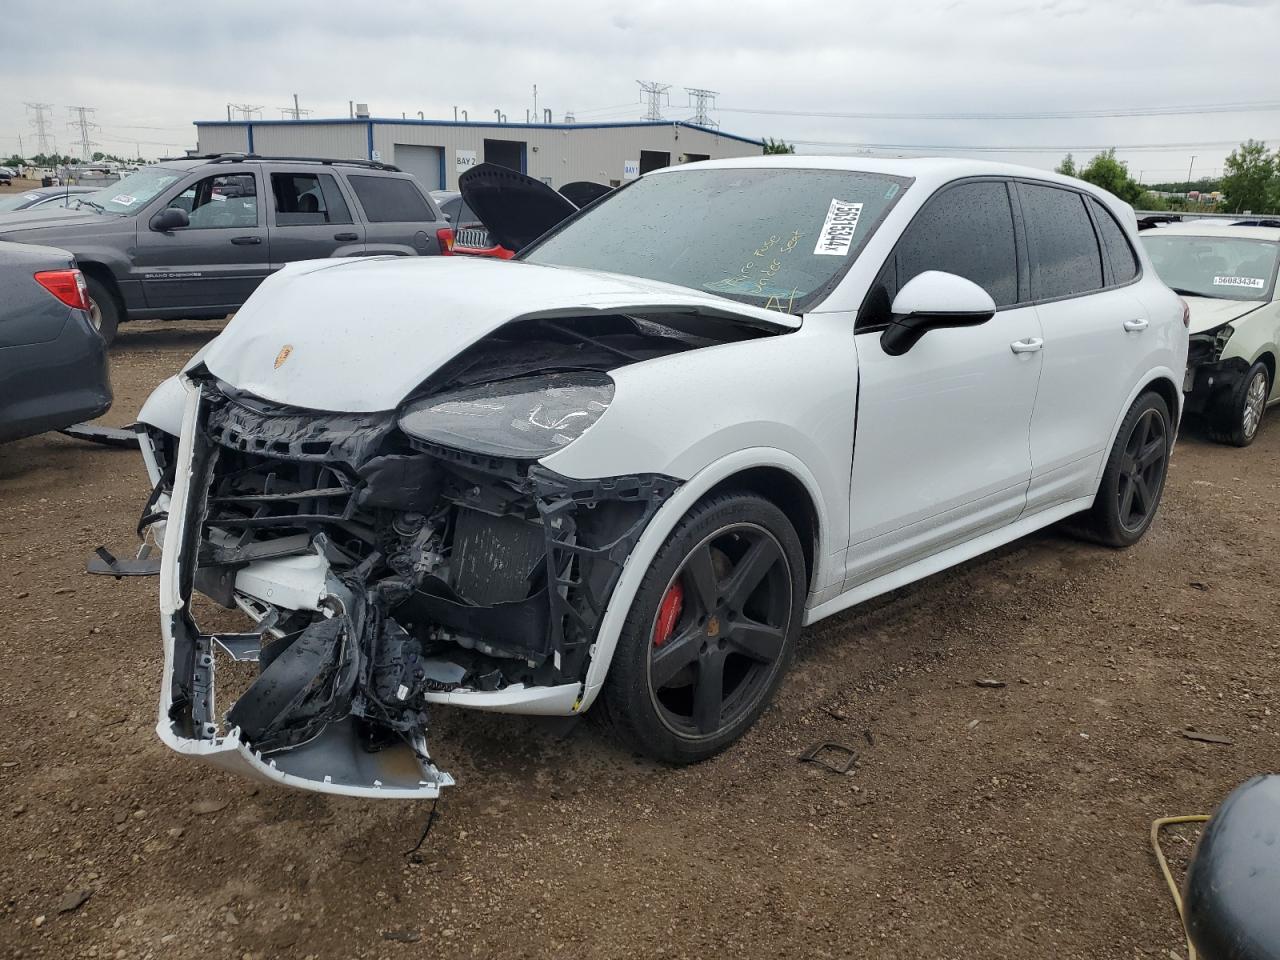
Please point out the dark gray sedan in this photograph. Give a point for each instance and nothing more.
(53, 363)
(43, 198)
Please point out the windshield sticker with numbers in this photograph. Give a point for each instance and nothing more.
(1253, 283)
(836, 235)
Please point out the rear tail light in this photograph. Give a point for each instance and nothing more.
(445, 236)
(1186, 313)
(67, 285)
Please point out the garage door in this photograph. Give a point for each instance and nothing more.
(425, 163)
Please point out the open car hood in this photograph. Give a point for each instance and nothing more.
(516, 209)
(582, 192)
(1210, 312)
(360, 335)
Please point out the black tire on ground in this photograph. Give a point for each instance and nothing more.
(1237, 418)
(104, 309)
(737, 554)
(1133, 478)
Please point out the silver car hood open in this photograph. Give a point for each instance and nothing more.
(359, 335)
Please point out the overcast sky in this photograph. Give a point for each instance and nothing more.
(150, 69)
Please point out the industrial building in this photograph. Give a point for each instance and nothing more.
(437, 151)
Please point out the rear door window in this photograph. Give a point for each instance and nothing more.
(390, 199)
(967, 230)
(308, 198)
(1065, 259)
(1124, 262)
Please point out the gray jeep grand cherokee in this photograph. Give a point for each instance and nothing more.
(193, 237)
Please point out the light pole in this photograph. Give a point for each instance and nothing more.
(1189, 166)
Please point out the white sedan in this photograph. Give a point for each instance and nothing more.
(729, 400)
(1227, 274)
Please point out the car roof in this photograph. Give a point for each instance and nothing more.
(1214, 228)
(929, 171)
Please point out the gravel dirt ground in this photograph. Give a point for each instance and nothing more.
(979, 821)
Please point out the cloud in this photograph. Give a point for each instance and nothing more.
(152, 68)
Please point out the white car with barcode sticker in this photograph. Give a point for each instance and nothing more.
(725, 401)
(1227, 274)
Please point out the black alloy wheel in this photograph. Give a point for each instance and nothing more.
(1133, 477)
(711, 630)
(1142, 470)
(720, 631)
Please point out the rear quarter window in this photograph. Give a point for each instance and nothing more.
(1065, 259)
(1124, 262)
(390, 199)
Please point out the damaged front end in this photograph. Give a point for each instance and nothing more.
(389, 561)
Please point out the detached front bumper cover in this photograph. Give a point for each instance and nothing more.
(336, 759)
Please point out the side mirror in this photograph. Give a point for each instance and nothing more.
(930, 301)
(170, 218)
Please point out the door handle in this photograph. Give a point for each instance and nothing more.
(1029, 345)
(245, 241)
(346, 236)
(1136, 326)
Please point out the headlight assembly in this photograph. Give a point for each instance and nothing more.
(525, 418)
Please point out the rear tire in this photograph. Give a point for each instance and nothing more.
(688, 678)
(104, 310)
(1237, 420)
(1133, 479)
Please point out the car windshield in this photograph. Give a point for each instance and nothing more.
(1227, 268)
(775, 238)
(133, 192)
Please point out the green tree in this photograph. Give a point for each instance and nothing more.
(98, 156)
(777, 146)
(1110, 174)
(1249, 178)
(14, 161)
(1067, 167)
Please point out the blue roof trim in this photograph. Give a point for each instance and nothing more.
(482, 123)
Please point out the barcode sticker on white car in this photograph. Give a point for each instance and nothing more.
(1254, 283)
(124, 200)
(836, 235)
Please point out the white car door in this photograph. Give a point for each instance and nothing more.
(941, 444)
(1096, 333)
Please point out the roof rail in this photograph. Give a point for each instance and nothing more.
(329, 161)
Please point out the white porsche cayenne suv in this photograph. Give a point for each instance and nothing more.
(726, 401)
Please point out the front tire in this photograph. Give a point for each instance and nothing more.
(711, 631)
(1133, 479)
(1237, 420)
(104, 311)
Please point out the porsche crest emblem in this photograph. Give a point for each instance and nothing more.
(283, 355)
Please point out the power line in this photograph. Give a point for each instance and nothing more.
(653, 92)
(996, 148)
(293, 113)
(1255, 106)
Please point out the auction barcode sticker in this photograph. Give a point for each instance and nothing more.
(836, 235)
(1254, 283)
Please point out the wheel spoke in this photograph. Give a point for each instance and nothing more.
(750, 570)
(1142, 493)
(674, 655)
(1151, 453)
(759, 641)
(701, 580)
(1126, 498)
(708, 694)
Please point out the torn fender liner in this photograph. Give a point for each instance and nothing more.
(288, 736)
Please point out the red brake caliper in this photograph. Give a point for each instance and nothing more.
(668, 614)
